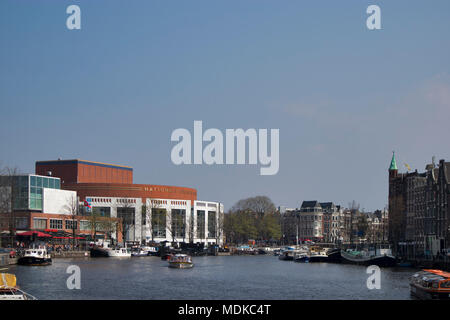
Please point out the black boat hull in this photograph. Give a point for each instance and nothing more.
(33, 261)
(334, 256)
(318, 259)
(98, 252)
(381, 261)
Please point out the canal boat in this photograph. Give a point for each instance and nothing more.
(9, 289)
(301, 257)
(430, 284)
(35, 257)
(119, 252)
(151, 251)
(97, 251)
(382, 259)
(287, 254)
(139, 253)
(181, 261)
(317, 254)
(334, 255)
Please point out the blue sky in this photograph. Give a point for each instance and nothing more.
(342, 96)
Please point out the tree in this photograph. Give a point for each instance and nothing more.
(127, 214)
(72, 209)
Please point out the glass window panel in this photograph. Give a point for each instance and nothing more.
(51, 183)
(33, 192)
(32, 203)
(57, 184)
(39, 193)
(46, 182)
(33, 180)
(39, 204)
(39, 182)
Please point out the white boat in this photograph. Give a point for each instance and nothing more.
(181, 261)
(139, 253)
(35, 257)
(119, 252)
(9, 289)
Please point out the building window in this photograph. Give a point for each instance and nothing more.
(56, 224)
(102, 211)
(21, 223)
(201, 224)
(84, 225)
(39, 223)
(211, 224)
(71, 224)
(178, 223)
(159, 222)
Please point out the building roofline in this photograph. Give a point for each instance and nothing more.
(45, 162)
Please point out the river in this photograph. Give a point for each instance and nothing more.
(223, 277)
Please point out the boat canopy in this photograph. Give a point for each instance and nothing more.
(7, 280)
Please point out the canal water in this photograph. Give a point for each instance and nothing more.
(224, 277)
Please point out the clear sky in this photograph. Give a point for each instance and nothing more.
(342, 96)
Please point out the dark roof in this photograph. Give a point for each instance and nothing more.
(327, 205)
(310, 204)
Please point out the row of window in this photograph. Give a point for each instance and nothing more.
(41, 224)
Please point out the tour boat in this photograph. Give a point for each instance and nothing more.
(35, 257)
(302, 257)
(9, 289)
(180, 261)
(431, 284)
(382, 259)
(119, 252)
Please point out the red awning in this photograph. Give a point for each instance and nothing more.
(37, 233)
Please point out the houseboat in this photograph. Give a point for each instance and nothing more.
(35, 257)
(430, 284)
(287, 253)
(381, 258)
(180, 261)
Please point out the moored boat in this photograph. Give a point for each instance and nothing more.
(318, 254)
(301, 257)
(35, 257)
(181, 261)
(382, 259)
(119, 252)
(9, 289)
(430, 284)
(287, 254)
(334, 255)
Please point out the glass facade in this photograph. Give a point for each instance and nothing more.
(159, 222)
(28, 191)
(178, 224)
(201, 224)
(212, 224)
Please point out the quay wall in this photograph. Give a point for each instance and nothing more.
(69, 254)
(6, 260)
